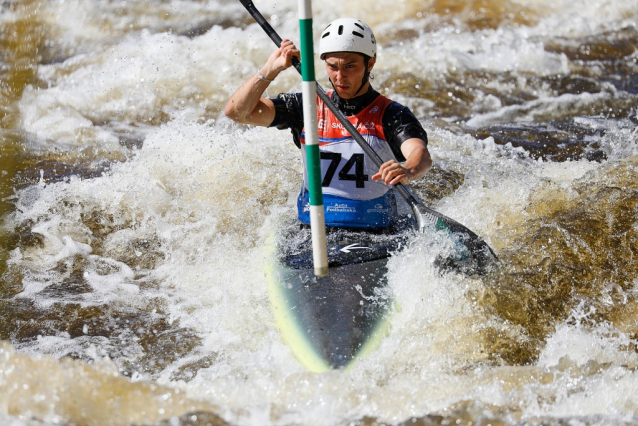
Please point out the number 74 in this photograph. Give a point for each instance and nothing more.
(357, 160)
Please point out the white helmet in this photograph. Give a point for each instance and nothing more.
(347, 35)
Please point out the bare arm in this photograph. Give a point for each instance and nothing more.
(417, 164)
(246, 106)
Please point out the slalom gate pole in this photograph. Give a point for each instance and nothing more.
(313, 160)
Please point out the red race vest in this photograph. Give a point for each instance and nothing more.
(345, 169)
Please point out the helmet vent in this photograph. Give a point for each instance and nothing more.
(360, 26)
(357, 34)
(326, 35)
(340, 29)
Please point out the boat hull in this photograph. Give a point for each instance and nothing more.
(331, 321)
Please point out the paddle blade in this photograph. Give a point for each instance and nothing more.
(474, 255)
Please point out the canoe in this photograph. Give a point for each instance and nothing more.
(330, 322)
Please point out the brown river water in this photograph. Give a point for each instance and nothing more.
(136, 217)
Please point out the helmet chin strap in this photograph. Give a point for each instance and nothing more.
(366, 75)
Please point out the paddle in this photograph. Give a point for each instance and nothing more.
(424, 215)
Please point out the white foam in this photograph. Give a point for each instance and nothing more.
(583, 18)
(189, 179)
(79, 27)
(602, 344)
(556, 108)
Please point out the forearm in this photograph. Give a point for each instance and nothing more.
(243, 105)
(418, 161)
(246, 105)
(417, 164)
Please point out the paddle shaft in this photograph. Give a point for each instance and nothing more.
(403, 191)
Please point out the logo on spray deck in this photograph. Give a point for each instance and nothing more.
(353, 246)
(341, 208)
(378, 208)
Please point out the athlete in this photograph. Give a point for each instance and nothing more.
(356, 193)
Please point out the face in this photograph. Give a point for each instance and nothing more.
(346, 71)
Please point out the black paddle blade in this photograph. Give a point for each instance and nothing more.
(474, 258)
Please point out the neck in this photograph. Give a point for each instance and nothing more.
(354, 105)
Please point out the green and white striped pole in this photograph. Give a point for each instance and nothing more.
(313, 161)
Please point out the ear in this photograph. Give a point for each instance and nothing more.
(371, 63)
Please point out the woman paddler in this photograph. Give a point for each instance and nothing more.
(355, 193)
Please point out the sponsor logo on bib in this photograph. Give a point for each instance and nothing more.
(360, 126)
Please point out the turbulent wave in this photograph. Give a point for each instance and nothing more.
(136, 216)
